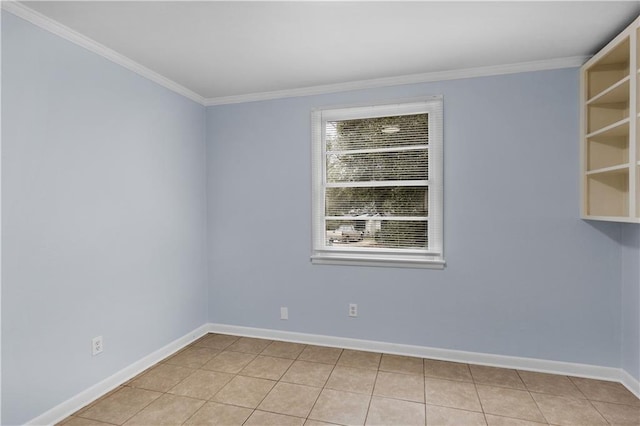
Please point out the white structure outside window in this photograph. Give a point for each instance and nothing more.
(377, 185)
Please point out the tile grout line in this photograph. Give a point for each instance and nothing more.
(373, 389)
(598, 411)
(274, 386)
(324, 385)
(531, 396)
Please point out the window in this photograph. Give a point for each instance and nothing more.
(377, 185)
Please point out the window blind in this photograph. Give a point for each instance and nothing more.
(374, 192)
(376, 181)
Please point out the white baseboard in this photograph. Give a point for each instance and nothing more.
(630, 382)
(504, 361)
(89, 395)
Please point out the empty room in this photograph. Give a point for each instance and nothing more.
(320, 213)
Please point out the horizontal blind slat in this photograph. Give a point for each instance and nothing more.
(373, 150)
(374, 184)
(377, 166)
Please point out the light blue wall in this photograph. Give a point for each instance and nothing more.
(104, 217)
(631, 299)
(524, 277)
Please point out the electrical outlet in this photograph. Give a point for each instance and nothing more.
(284, 313)
(96, 345)
(353, 309)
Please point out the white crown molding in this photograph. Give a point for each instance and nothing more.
(551, 64)
(46, 23)
(502, 361)
(67, 33)
(73, 404)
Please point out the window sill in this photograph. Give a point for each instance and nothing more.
(399, 262)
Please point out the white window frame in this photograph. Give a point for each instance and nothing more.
(433, 256)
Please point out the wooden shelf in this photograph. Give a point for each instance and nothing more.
(616, 93)
(619, 168)
(608, 193)
(609, 67)
(613, 218)
(613, 130)
(606, 149)
(610, 146)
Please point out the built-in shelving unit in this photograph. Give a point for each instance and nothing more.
(610, 141)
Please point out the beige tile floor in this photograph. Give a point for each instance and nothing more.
(230, 380)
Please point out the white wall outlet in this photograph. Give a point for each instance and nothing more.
(353, 309)
(284, 313)
(96, 345)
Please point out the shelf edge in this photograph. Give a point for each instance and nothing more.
(615, 168)
(625, 219)
(608, 90)
(609, 127)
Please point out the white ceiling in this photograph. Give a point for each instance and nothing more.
(226, 49)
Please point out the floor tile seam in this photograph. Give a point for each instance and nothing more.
(448, 379)
(498, 368)
(255, 377)
(567, 397)
(548, 393)
(484, 412)
(356, 366)
(236, 375)
(538, 407)
(258, 408)
(373, 389)
(183, 396)
(590, 400)
(323, 388)
(293, 361)
(316, 362)
(101, 421)
(515, 418)
(174, 386)
(465, 409)
(636, 404)
(202, 399)
(401, 372)
(194, 413)
(283, 380)
(433, 404)
(275, 356)
(424, 396)
(232, 352)
(186, 366)
(229, 404)
(324, 421)
(399, 398)
(573, 382)
(134, 414)
(494, 385)
(539, 392)
(350, 391)
(598, 411)
(475, 387)
(265, 396)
